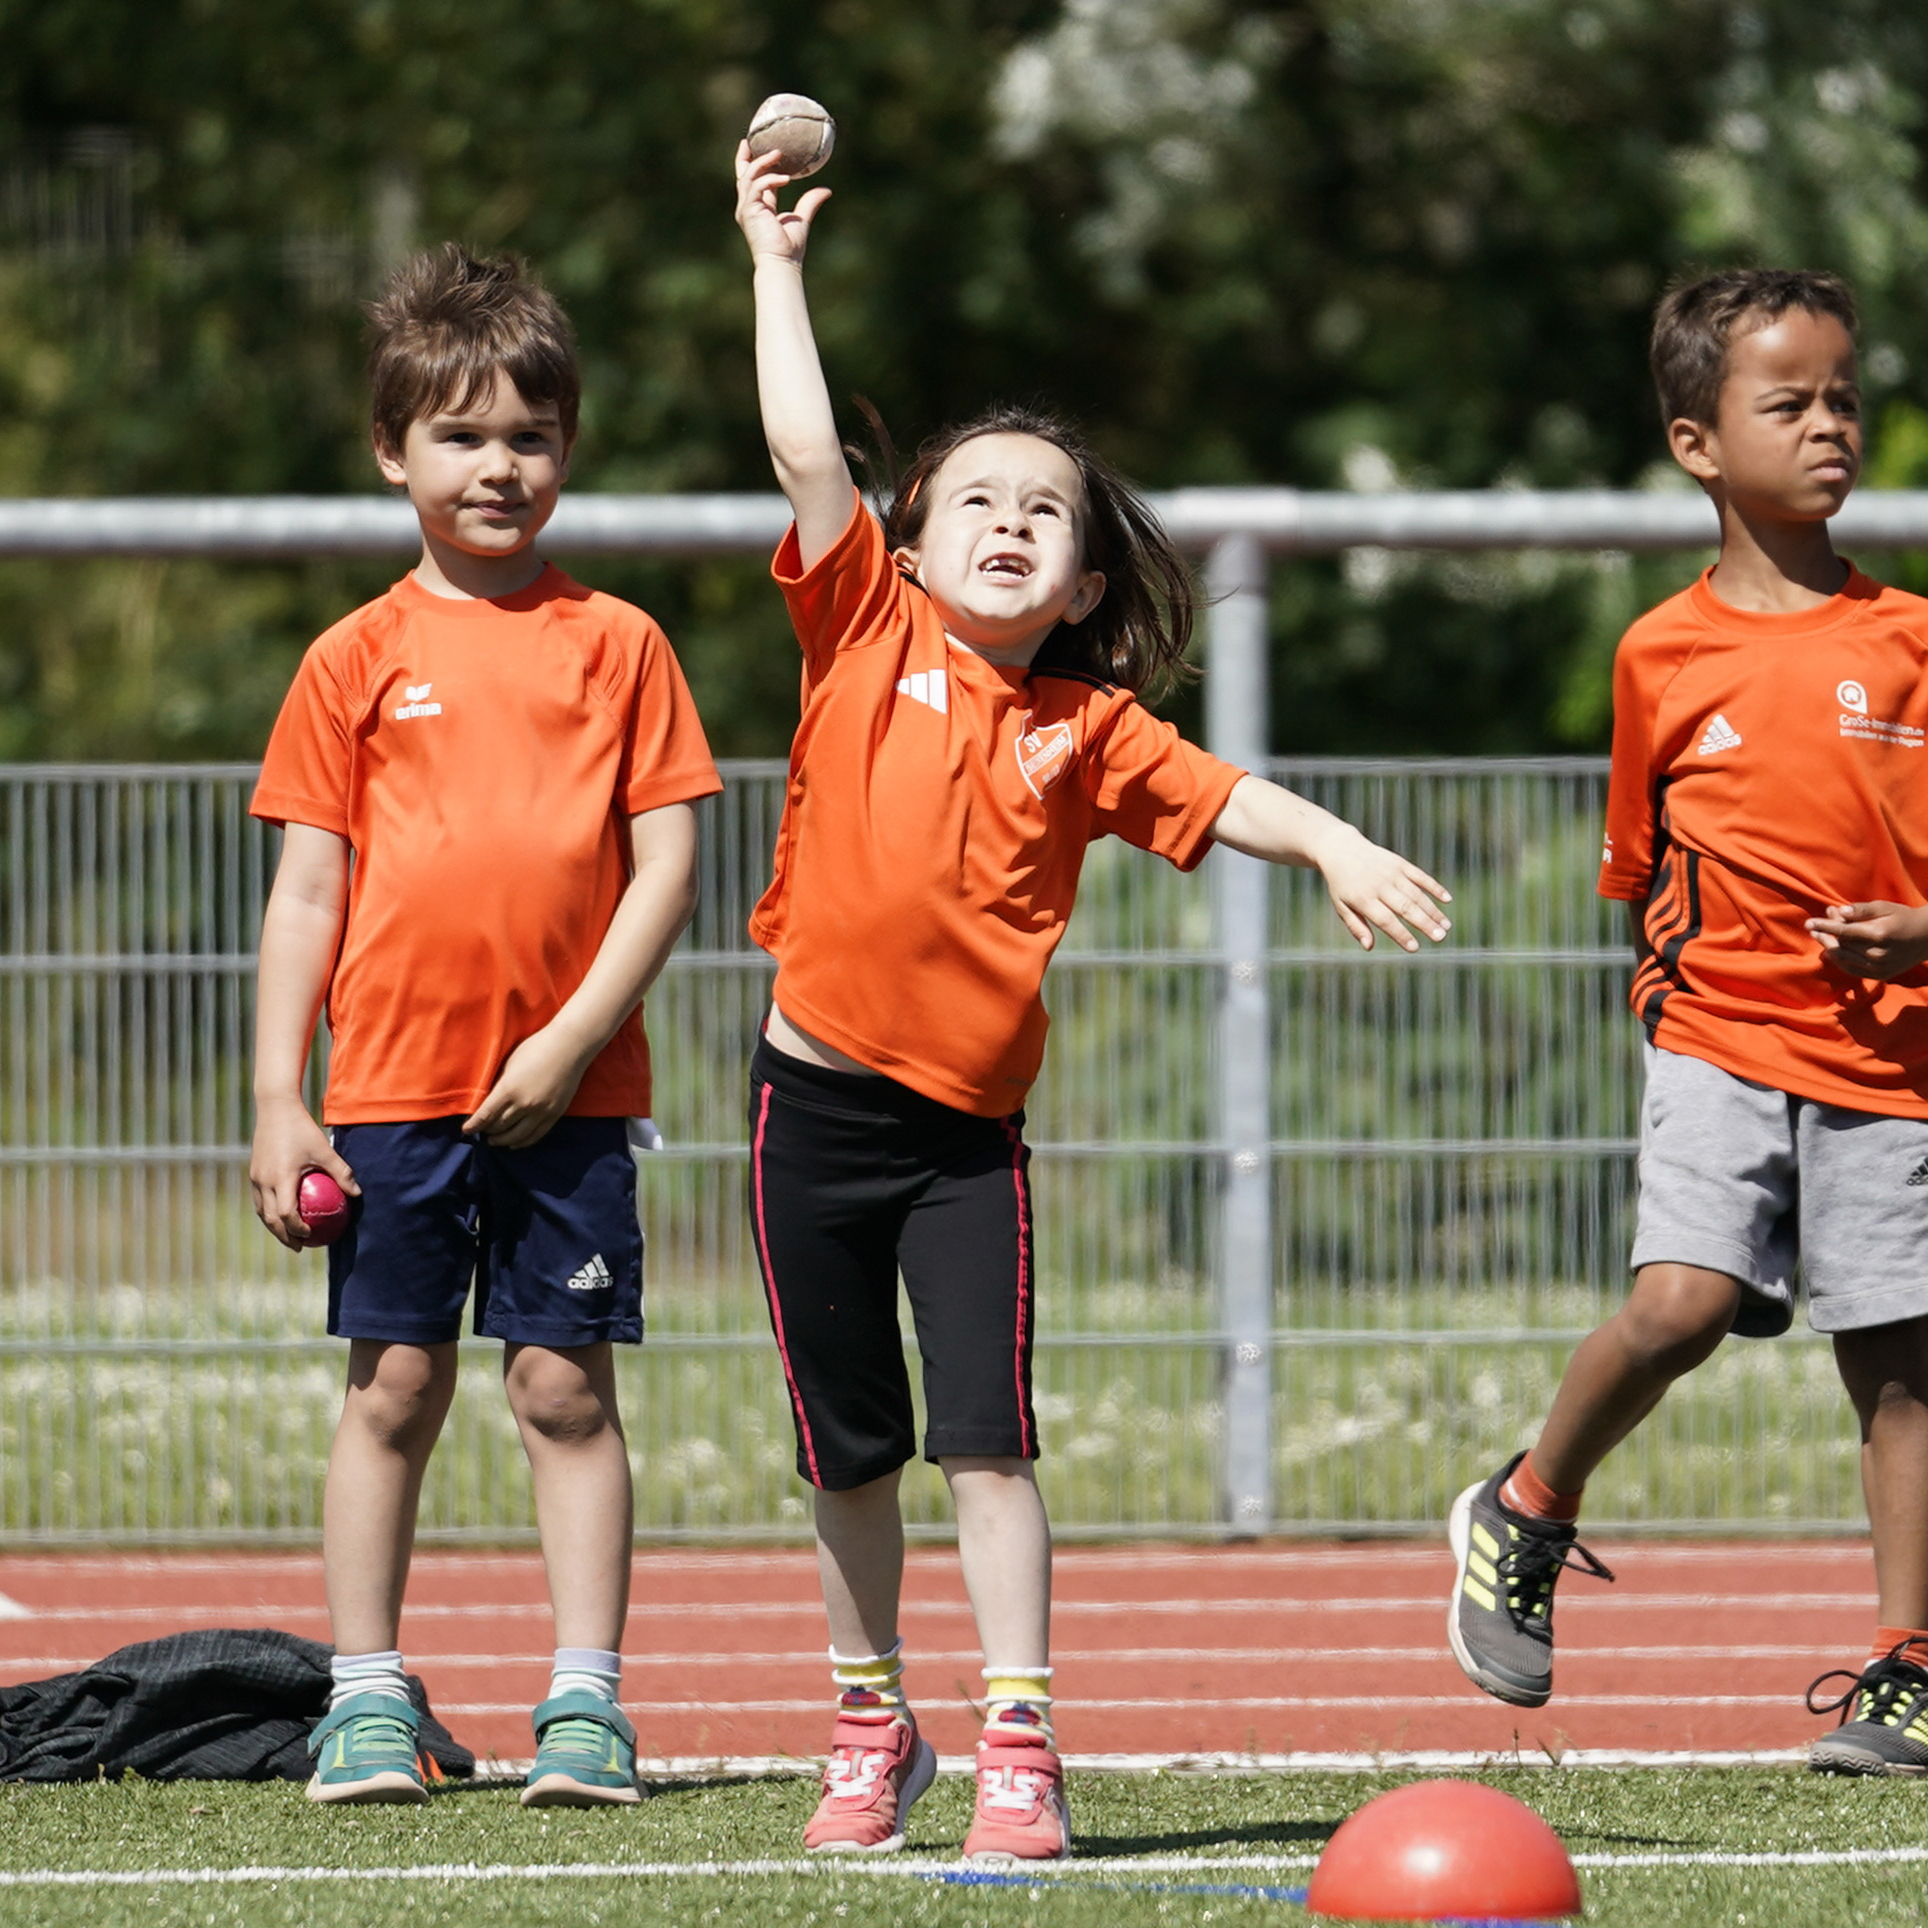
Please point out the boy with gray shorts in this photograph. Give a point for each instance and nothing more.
(1767, 826)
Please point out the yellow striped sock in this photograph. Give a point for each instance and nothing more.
(870, 1686)
(1007, 1690)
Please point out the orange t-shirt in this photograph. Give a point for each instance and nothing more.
(938, 812)
(1765, 767)
(482, 759)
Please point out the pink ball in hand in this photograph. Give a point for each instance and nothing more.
(323, 1207)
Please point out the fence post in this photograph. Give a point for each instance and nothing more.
(1235, 724)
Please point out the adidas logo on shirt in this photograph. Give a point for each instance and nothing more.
(1919, 1176)
(593, 1277)
(926, 686)
(1720, 735)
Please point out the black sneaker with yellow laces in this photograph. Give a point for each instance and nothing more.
(1884, 1719)
(1500, 1621)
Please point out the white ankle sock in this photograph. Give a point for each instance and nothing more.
(587, 1670)
(365, 1674)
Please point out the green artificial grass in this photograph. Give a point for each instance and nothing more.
(1150, 1819)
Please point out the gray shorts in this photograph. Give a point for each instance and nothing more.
(1744, 1179)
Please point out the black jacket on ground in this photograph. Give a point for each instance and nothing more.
(223, 1704)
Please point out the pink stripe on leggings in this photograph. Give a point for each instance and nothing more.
(770, 1286)
(1024, 1280)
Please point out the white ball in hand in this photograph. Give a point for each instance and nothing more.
(796, 127)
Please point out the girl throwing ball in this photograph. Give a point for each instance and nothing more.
(970, 725)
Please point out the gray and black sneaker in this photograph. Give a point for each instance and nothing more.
(1500, 1621)
(1884, 1719)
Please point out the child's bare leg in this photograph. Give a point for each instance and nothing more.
(564, 1401)
(860, 1558)
(1672, 1321)
(398, 1396)
(1004, 1543)
(1885, 1369)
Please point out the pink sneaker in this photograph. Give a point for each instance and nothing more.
(1021, 1811)
(877, 1770)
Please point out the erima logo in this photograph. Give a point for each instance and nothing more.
(926, 686)
(1919, 1176)
(416, 704)
(1720, 735)
(593, 1277)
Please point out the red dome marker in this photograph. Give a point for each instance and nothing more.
(323, 1206)
(1444, 1851)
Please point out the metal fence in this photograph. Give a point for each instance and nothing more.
(1317, 1228)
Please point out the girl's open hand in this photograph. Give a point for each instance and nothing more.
(771, 233)
(1375, 888)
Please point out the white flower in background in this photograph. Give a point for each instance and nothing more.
(1134, 80)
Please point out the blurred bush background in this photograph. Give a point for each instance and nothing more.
(1338, 244)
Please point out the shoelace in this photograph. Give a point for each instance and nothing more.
(1012, 1787)
(1883, 1685)
(853, 1772)
(380, 1730)
(588, 1738)
(1535, 1562)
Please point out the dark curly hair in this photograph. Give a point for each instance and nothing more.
(448, 322)
(1138, 634)
(1698, 316)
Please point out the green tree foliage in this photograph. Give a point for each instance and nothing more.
(1336, 243)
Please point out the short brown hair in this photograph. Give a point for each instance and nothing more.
(1696, 321)
(448, 323)
(1138, 634)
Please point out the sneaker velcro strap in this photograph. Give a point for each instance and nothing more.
(584, 1706)
(360, 1706)
(995, 1752)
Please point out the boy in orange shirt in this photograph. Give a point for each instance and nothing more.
(1767, 826)
(510, 761)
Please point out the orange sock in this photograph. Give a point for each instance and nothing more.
(1526, 1493)
(1915, 1639)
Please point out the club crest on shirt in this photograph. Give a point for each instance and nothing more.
(1043, 756)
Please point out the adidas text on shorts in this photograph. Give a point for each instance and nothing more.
(548, 1235)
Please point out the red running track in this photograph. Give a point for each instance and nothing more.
(1264, 1650)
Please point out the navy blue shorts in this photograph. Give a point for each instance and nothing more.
(548, 1235)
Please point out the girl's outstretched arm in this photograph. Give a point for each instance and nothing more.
(1369, 885)
(797, 420)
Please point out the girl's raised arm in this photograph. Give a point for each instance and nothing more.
(797, 420)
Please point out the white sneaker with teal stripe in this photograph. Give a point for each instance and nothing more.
(365, 1749)
(585, 1754)
(1500, 1621)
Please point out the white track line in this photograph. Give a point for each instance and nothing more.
(686, 1767)
(918, 1869)
(812, 1658)
(1129, 1559)
(1249, 1703)
(1572, 1606)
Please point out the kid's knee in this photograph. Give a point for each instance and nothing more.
(1677, 1315)
(554, 1396)
(398, 1392)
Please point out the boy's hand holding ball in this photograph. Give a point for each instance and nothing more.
(323, 1206)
